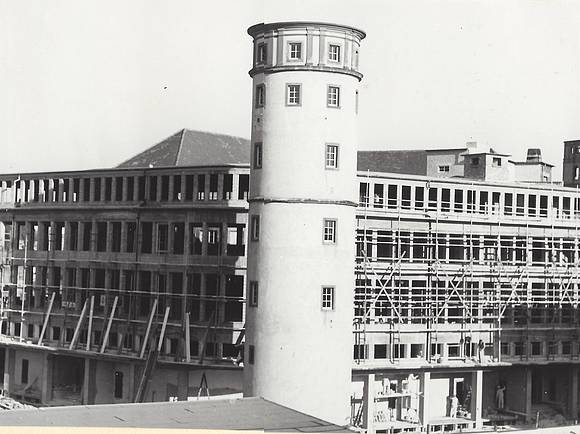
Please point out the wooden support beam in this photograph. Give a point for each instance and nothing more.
(162, 334)
(205, 335)
(89, 332)
(78, 327)
(106, 337)
(45, 324)
(187, 342)
(146, 338)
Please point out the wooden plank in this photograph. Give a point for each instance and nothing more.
(106, 337)
(161, 336)
(78, 327)
(48, 311)
(146, 338)
(187, 343)
(89, 332)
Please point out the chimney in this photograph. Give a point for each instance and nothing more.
(471, 146)
(534, 155)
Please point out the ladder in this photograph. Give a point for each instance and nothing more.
(146, 377)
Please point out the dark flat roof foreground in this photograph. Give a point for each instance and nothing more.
(220, 414)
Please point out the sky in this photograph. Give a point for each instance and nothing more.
(89, 83)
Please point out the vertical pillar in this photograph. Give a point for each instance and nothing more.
(369, 403)
(424, 403)
(182, 384)
(182, 188)
(528, 392)
(89, 381)
(477, 397)
(131, 388)
(9, 364)
(573, 394)
(46, 387)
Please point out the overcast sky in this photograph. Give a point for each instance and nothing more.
(88, 84)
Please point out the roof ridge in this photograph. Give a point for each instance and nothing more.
(215, 134)
(179, 147)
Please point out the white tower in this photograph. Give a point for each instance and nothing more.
(302, 217)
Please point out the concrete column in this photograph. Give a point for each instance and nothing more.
(477, 397)
(369, 403)
(182, 198)
(159, 185)
(182, 384)
(124, 190)
(528, 392)
(573, 394)
(235, 186)
(131, 387)
(91, 189)
(89, 382)
(123, 248)
(220, 191)
(424, 403)
(204, 239)
(9, 365)
(46, 387)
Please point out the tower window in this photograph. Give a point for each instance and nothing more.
(333, 96)
(496, 162)
(260, 95)
(255, 229)
(475, 161)
(251, 355)
(261, 54)
(334, 53)
(328, 298)
(258, 155)
(253, 293)
(295, 50)
(293, 94)
(329, 235)
(331, 157)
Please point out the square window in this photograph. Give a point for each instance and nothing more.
(255, 229)
(475, 161)
(329, 231)
(333, 96)
(260, 95)
(496, 162)
(253, 293)
(295, 50)
(443, 169)
(258, 155)
(331, 156)
(328, 298)
(261, 54)
(334, 53)
(293, 94)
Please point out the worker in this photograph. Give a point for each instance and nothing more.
(499, 396)
(453, 406)
(480, 349)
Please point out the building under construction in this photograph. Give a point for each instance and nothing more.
(135, 283)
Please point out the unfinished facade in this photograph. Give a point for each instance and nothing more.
(106, 272)
(466, 288)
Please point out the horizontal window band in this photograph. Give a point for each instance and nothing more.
(303, 201)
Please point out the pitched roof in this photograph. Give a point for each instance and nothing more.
(193, 148)
(245, 413)
(413, 162)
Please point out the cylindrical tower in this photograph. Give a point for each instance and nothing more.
(302, 216)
